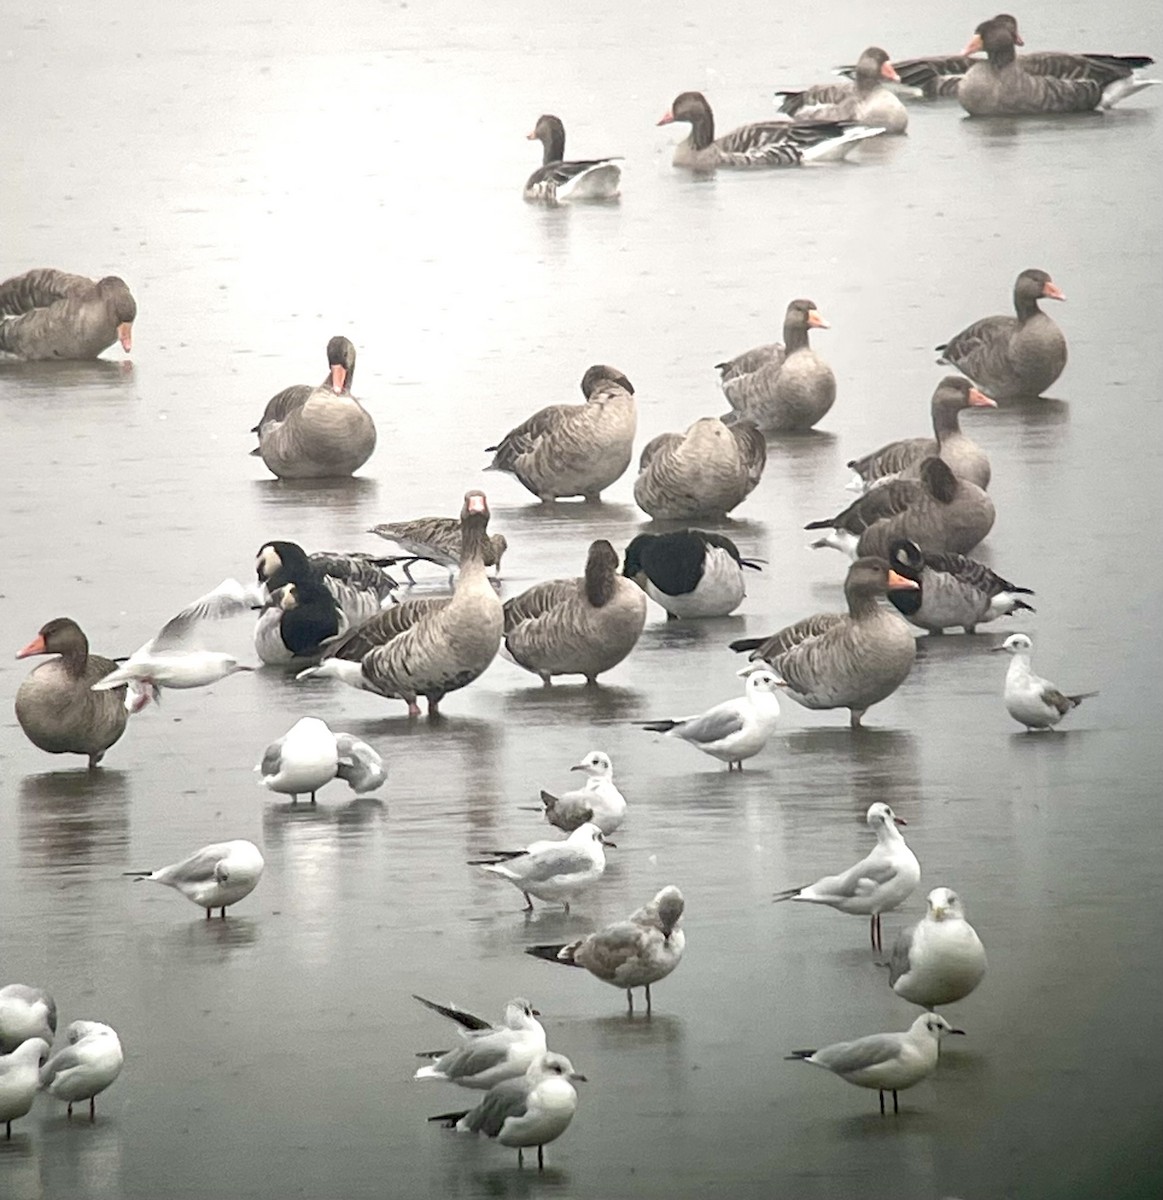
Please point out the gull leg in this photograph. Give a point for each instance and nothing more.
(882, 1102)
(630, 1001)
(565, 905)
(895, 1105)
(520, 1157)
(541, 1158)
(222, 913)
(69, 1111)
(872, 930)
(92, 1109)
(8, 1134)
(649, 1009)
(209, 913)
(294, 797)
(528, 902)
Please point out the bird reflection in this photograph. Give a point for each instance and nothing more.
(197, 940)
(338, 497)
(71, 818)
(52, 380)
(866, 765)
(572, 703)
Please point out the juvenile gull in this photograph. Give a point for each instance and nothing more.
(940, 959)
(1031, 700)
(25, 1012)
(598, 800)
(216, 876)
(553, 871)
(309, 755)
(84, 1068)
(488, 1053)
(19, 1080)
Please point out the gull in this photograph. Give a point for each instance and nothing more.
(888, 1062)
(878, 883)
(940, 959)
(733, 730)
(531, 1110)
(490, 1053)
(310, 755)
(216, 876)
(598, 800)
(19, 1080)
(1031, 700)
(636, 952)
(25, 1012)
(552, 871)
(84, 1068)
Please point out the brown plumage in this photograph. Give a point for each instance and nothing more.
(47, 314)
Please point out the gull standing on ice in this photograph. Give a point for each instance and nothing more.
(552, 871)
(488, 1053)
(25, 1012)
(19, 1080)
(598, 800)
(85, 1067)
(309, 755)
(216, 876)
(940, 959)
(1031, 700)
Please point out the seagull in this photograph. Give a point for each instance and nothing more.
(25, 1012)
(940, 959)
(1031, 700)
(636, 952)
(598, 800)
(309, 755)
(85, 1067)
(19, 1080)
(733, 730)
(531, 1110)
(489, 1053)
(552, 871)
(888, 1062)
(882, 881)
(216, 876)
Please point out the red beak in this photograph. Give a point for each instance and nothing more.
(36, 646)
(667, 118)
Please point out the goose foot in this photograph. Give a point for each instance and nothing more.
(413, 708)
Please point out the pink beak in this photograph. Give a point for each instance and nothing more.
(338, 377)
(888, 71)
(125, 333)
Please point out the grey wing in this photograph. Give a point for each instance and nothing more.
(1056, 699)
(973, 574)
(505, 1100)
(459, 1015)
(474, 1056)
(662, 444)
(386, 625)
(750, 361)
(877, 505)
(359, 765)
(938, 76)
(61, 1061)
(980, 347)
(272, 758)
(363, 571)
(602, 953)
(550, 862)
(893, 458)
(900, 963)
(200, 867)
(524, 437)
(539, 599)
(793, 635)
(752, 449)
(847, 1057)
(282, 404)
(228, 599)
(713, 725)
(38, 289)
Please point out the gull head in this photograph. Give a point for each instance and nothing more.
(589, 832)
(945, 903)
(762, 680)
(544, 1066)
(753, 668)
(1016, 643)
(596, 765)
(669, 904)
(881, 814)
(934, 1025)
(520, 1014)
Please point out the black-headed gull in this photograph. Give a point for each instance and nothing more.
(1031, 700)
(940, 959)
(598, 800)
(552, 871)
(216, 876)
(488, 1053)
(20, 1079)
(84, 1068)
(310, 755)
(25, 1012)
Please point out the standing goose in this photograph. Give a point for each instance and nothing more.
(782, 388)
(691, 573)
(574, 449)
(1013, 356)
(321, 432)
(865, 99)
(556, 180)
(437, 540)
(704, 472)
(47, 314)
(576, 626)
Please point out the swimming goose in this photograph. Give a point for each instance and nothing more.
(309, 756)
(1013, 356)
(25, 1012)
(552, 871)
(1031, 700)
(576, 626)
(836, 660)
(902, 459)
(703, 472)
(317, 432)
(691, 573)
(48, 314)
(84, 1068)
(55, 704)
(598, 800)
(437, 540)
(488, 1053)
(556, 180)
(20, 1080)
(865, 99)
(427, 647)
(779, 143)
(574, 449)
(940, 959)
(214, 877)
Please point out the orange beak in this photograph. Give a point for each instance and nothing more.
(125, 333)
(36, 646)
(975, 45)
(888, 71)
(338, 377)
(1053, 292)
(477, 504)
(1018, 39)
(667, 118)
(900, 583)
(815, 321)
(531, 137)
(980, 399)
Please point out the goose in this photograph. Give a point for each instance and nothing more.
(1031, 700)
(55, 704)
(84, 1068)
(779, 143)
(598, 800)
(865, 99)
(488, 1053)
(216, 876)
(427, 647)
(1013, 356)
(580, 626)
(20, 1080)
(437, 540)
(309, 756)
(317, 432)
(574, 449)
(555, 872)
(940, 959)
(556, 180)
(902, 459)
(704, 472)
(954, 590)
(691, 573)
(847, 660)
(47, 314)
(782, 388)
(25, 1012)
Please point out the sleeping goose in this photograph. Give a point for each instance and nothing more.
(865, 99)
(852, 660)
(1013, 356)
(691, 573)
(437, 540)
(704, 472)
(556, 180)
(48, 314)
(574, 449)
(786, 387)
(576, 626)
(321, 432)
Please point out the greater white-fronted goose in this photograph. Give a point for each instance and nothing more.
(574, 449)
(317, 432)
(437, 540)
(1031, 700)
(557, 180)
(778, 143)
(47, 314)
(902, 460)
(691, 573)
(56, 705)
(851, 660)
(782, 388)
(576, 626)
(1013, 356)
(865, 99)
(704, 472)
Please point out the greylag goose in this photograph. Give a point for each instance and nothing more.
(1013, 356)
(56, 706)
(705, 471)
(552, 871)
(48, 314)
(598, 801)
(1031, 700)
(847, 660)
(954, 590)
(427, 647)
(488, 1053)
(215, 877)
(580, 626)
(25, 1012)
(782, 388)
(309, 756)
(965, 457)
(691, 573)
(556, 180)
(437, 540)
(317, 432)
(574, 449)
(865, 99)
(84, 1068)
(20, 1080)
(779, 143)
(940, 959)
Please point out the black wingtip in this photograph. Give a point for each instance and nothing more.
(449, 1120)
(742, 644)
(549, 953)
(818, 525)
(798, 1055)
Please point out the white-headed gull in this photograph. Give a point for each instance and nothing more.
(83, 1069)
(20, 1080)
(1031, 700)
(216, 876)
(940, 959)
(488, 1053)
(310, 755)
(598, 800)
(552, 871)
(25, 1012)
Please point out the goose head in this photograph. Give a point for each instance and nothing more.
(341, 361)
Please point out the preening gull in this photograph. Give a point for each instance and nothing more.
(488, 1053)
(25, 1012)
(216, 876)
(85, 1067)
(19, 1080)
(310, 755)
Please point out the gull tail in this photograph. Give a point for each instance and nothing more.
(496, 856)
(1077, 700)
(657, 726)
(137, 874)
(788, 894)
(820, 524)
(561, 953)
(798, 1055)
(450, 1120)
(753, 564)
(429, 1054)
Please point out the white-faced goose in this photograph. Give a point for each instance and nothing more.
(782, 388)
(56, 706)
(436, 540)
(576, 626)
(965, 457)
(574, 449)
(704, 472)
(778, 143)
(865, 99)
(1013, 356)
(691, 573)
(48, 314)
(557, 180)
(317, 432)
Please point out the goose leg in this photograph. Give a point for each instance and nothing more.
(433, 707)
(856, 715)
(413, 708)
(95, 759)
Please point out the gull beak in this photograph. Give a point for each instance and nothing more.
(939, 913)
(899, 820)
(998, 649)
(578, 767)
(36, 646)
(960, 1031)
(578, 1077)
(536, 1012)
